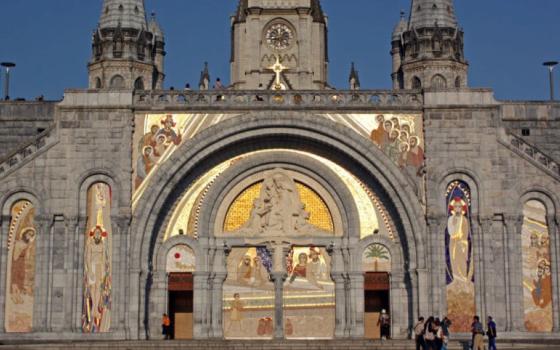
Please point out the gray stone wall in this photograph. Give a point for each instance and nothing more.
(92, 141)
(21, 121)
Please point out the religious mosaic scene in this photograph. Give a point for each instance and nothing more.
(276, 208)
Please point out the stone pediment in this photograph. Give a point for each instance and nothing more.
(278, 211)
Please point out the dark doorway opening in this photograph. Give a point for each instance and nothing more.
(376, 299)
(181, 305)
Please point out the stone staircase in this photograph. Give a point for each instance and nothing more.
(270, 345)
(28, 150)
(530, 152)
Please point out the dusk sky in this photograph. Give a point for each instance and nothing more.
(506, 42)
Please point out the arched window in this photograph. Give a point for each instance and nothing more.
(439, 82)
(20, 288)
(96, 310)
(458, 82)
(537, 276)
(98, 84)
(139, 84)
(459, 256)
(117, 82)
(416, 83)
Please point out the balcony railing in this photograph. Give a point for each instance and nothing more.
(245, 99)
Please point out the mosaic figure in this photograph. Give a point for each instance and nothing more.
(21, 268)
(459, 257)
(97, 261)
(309, 295)
(537, 276)
(248, 295)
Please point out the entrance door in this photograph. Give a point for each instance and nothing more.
(376, 299)
(181, 305)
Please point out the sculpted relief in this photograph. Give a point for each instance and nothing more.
(278, 211)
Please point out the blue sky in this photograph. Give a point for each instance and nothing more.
(506, 42)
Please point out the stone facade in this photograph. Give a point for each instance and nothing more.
(89, 138)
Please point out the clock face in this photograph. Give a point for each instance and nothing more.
(279, 36)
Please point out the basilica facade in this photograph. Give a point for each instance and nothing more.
(278, 207)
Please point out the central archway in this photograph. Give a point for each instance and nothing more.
(260, 132)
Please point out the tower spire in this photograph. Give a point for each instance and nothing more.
(129, 13)
(428, 50)
(128, 53)
(426, 13)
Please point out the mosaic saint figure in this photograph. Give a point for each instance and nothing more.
(392, 147)
(245, 271)
(415, 157)
(97, 261)
(23, 262)
(316, 268)
(542, 292)
(300, 270)
(458, 227)
(378, 133)
(537, 276)
(149, 139)
(236, 315)
(21, 268)
(167, 130)
(459, 257)
(144, 165)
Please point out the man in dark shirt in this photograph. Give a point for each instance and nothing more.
(491, 334)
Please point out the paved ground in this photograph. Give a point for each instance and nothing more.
(267, 345)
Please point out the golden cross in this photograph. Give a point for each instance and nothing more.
(278, 68)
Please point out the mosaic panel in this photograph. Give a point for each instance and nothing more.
(180, 259)
(459, 257)
(537, 276)
(376, 258)
(20, 293)
(309, 298)
(97, 284)
(248, 295)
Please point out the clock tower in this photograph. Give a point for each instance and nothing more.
(279, 44)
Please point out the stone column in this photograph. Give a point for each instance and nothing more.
(158, 303)
(340, 304)
(71, 272)
(555, 271)
(119, 272)
(436, 301)
(398, 300)
(512, 246)
(200, 302)
(278, 278)
(421, 293)
(479, 266)
(217, 285)
(41, 321)
(356, 295)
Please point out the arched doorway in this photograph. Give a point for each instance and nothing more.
(212, 148)
(180, 266)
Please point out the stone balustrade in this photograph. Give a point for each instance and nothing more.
(532, 153)
(254, 100)
(26, 150)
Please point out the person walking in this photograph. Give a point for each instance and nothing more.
(478, 334)
(419, 334)
(429, 334)
(166, 327)
(385, 323)
(445, 324)
(492, 334)
(438, 341)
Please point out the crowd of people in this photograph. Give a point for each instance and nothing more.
(434, 334)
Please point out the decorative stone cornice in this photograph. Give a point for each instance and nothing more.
(265, 100)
